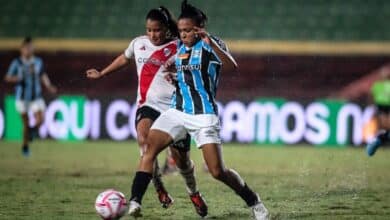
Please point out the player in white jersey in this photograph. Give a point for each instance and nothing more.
(154, 95)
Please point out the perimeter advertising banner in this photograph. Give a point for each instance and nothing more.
(263, 121)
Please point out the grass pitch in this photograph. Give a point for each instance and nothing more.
(62, 179)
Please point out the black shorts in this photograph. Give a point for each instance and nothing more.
(383, 109)
(146, 112)
(152, 114)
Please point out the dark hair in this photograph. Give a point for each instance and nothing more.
(191, 12)
(163, 15)
(27, 40)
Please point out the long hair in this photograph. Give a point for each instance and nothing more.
(163, 15)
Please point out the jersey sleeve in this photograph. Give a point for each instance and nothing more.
(220, 43)
(13, 68)
(129, 52)
(41, 67)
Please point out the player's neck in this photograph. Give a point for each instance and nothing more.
(27, 59)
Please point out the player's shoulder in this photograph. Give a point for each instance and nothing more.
(142, 38)
(205, 46)
(38, 59)
(16, 61)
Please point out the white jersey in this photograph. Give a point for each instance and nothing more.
(153, 90)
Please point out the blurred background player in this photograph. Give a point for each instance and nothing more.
(381, 96)
(194, 110)
(154, 94)
(27, 73)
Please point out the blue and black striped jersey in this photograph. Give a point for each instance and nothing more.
(30, 72)
(198, 71)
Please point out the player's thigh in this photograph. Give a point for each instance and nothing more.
(387, 121)
(24, 117)
(143, 126)
(39, 116)
(383, 119)
(212, 154)
(204, 129)
(145, 116)
(156, 142)
(181, 157)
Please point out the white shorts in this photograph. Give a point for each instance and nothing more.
(34, 106)
(203, 128)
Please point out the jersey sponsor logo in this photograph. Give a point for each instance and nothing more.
(167, 52)
(189, 67)
(143, 48)
(151, 60)
(183, 56)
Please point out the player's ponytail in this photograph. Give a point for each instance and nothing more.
(191, 12)
(163, 15)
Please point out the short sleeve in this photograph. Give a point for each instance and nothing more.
(13, 68)
(221, 44)
(41, 67)
(129, 52)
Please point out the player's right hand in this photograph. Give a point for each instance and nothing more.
(170, 77)
(93, 74)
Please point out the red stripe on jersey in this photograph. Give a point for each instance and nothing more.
(150, 69)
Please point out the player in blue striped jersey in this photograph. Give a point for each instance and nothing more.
(198, 63)
(27, 73)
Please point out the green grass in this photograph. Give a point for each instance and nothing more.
(61, 181)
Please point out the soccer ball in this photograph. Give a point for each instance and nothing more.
(111, 205)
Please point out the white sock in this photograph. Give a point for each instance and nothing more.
(189, 178)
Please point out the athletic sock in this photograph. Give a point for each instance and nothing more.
(156, 177)
(25, 147)
(383, 135)
(140, 185)
(388, 134)
(247, 194)
(189, 178)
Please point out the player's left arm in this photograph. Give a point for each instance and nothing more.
(47, 83)
(227, 59)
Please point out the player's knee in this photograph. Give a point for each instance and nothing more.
(217, 172)
(148, 157)
(39, 121)
(182, 163)
(141, 139)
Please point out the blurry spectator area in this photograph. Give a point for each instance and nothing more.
(361, 88)
(292, 77)
(330, 20)
(294, 49)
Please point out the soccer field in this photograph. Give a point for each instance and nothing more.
(61, 181)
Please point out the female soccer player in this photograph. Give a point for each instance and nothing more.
(198, 64)
(27, 73)
(154, 94)
(381, 95)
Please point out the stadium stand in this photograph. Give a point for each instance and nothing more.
(335, 20)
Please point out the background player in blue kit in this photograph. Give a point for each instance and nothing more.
(27, 72)
(198, 63)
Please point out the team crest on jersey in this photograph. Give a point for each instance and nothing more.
(167, 52)
(196, 53)
(183, 56)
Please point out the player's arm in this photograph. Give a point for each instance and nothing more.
(12, 76)
(226, 58)
(12, 79)
(117, 64)
(47, 83)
